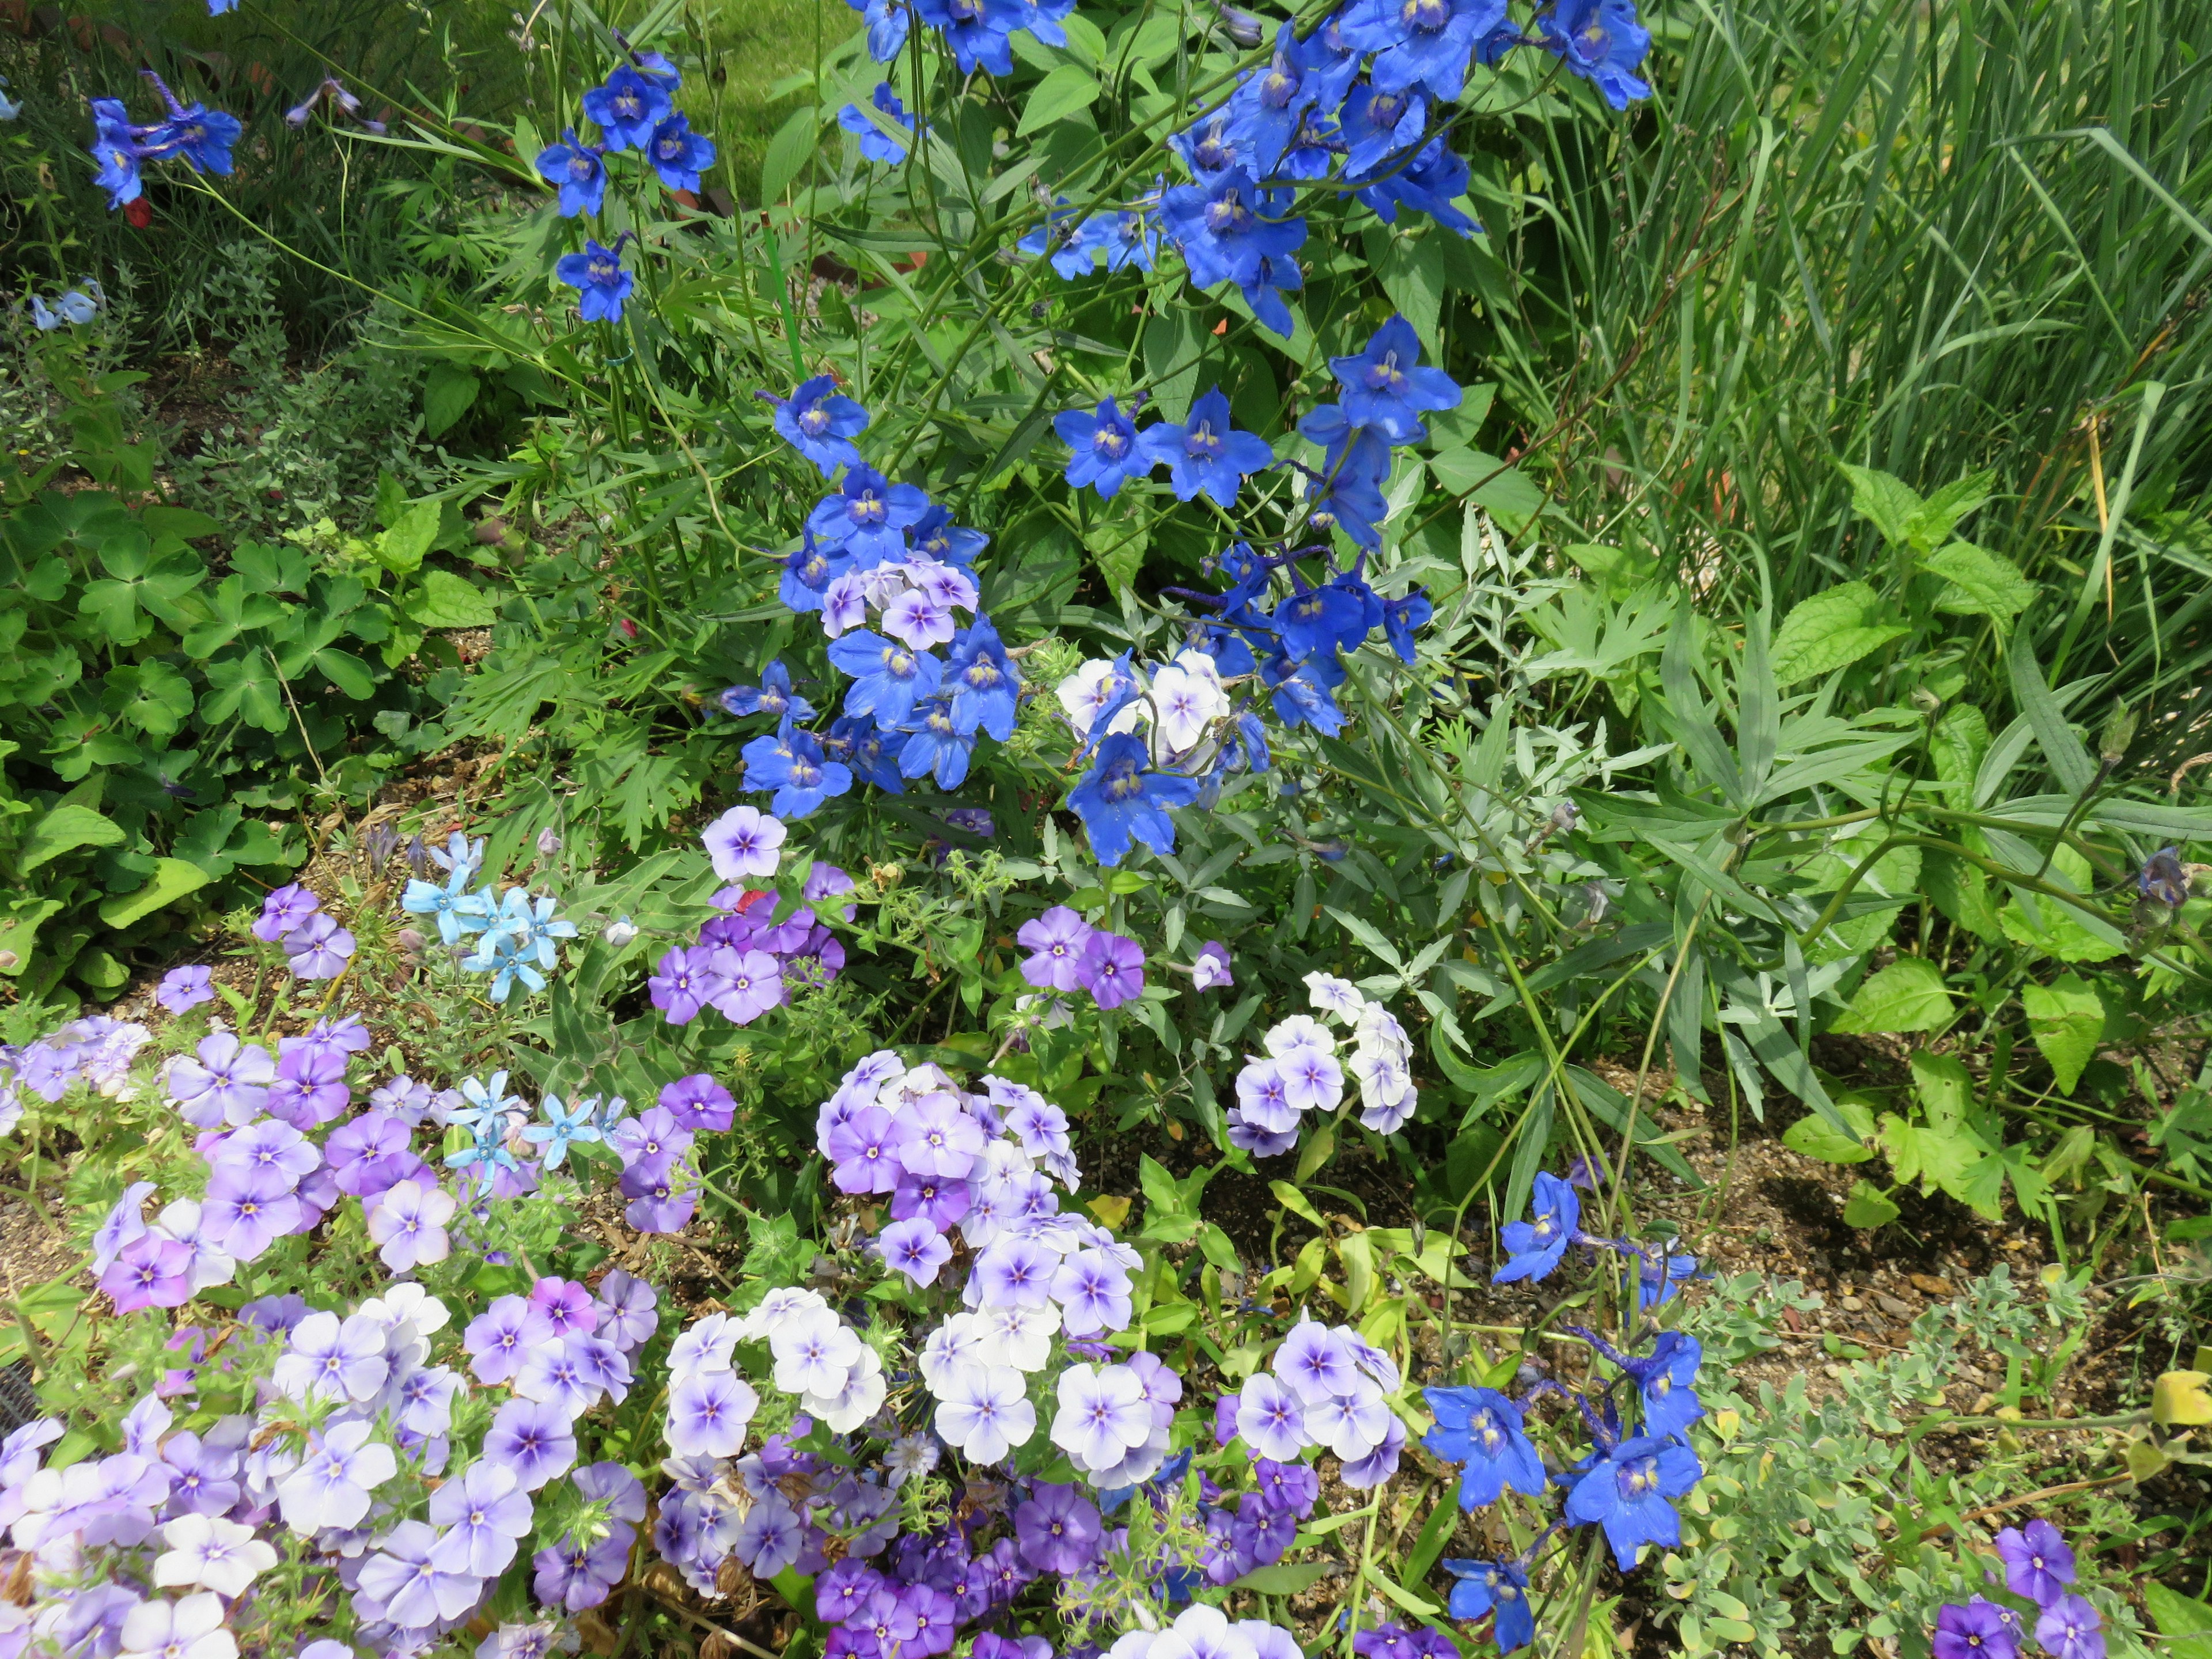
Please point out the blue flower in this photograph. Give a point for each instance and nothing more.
(807, 570)
(936, 745)
(887, 21)
(1482, 1429)
(1127, 239)
(1659, 1275)
(1206, 453)
(202, 137)
(1437, 179)
(656, 68)
(1105, 444)
(977, 31)
(1303, 692)
(564, 1128)
(576, 168)
(868, 517)
(888, 679)
(1232, 657)
(1499, 1587)
(1664, 1379)
(628, 108)
(115, 146)
(1401, 617)
(217, 7)
(820, 422)
(875, 143)
(1266, 109)
(1120, 799)
(1379, 125)
(1211, 150)
(526, 927)
(1422, 42)
(1386, 387)
(1318, 621)
(870, 751)
(773, 695)
(1264, 293)
(802, 776)
(602, 283)
(678, 154)
(1534, 1246)
(1332, 61)
(984, 681)
(768, 758)
(1072, 257)
(499, 955)
(1627, 1493)
(458, 911)
(1223, 228)
(1602, 41)
(934, 536)
(1042, 18)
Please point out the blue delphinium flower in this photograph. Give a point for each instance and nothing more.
(1276, 273)
(1057, 236)
(202, 137)
(934, 536)
(773, 695)
(601, 282)
(1318, 621)
(870, 751)
(983, 680)
(867, 516)
(628, 107)
(1401, 617)
(1042, 19)
(1664, 1378)
(875, 143)
(803, 778)
(1225, 227)
(217, 7)
(1378, 124)
(1534, 1246)
(120, 173)
(656, 68)
(887, 21)
(1303, 692)
(1482, 1429)
(1126, 238)
(1499, 1587)
(1626, 1492)
(978, 31)
(935, 745)
(563, 1128)
(1106, 454)
(1659, 1275)
(820, 422)
(575, 167)
(1206, 453)
(1386, 387)
(678, 154)
(1426, 43)
(1120, 799)
(1436, 179)
(1212, 149)
(1265, 111)
(889, 677)
(1602, 41)
(807, 571)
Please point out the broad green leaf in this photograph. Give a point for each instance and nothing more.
(151, 696)
(1060, 93)
(1888, 502)
(1908, 995)
(1960, 741)
(1411, 271)
(1961, 891)
(1284, 1577)
(402, 548)
(1831, 630)
(2057, 928)
(447, 600)
(346, 672)
(787, 152)
(1940, 513)
(232, 609)
(182, 522)
(2067, 1018)
(2182, 1620)
(1983, 584)
(64, 829)
(173, 879)
(1815, 1137)
(1297, 1203)
(246, 687)
(448, 391)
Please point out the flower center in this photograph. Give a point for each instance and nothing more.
(1427, 15)
(1228, 216)
(867, 508)
(1278, 85)
(1110, 443)
(1594, 40)
(815, 420)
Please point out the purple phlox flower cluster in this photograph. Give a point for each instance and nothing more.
(888, 573)
(199, 136)
(1251, 1530)
(744, 962)
(2039, 1566)
(165, 1262)
(183, 989)
(1392, 1640)
(1302, 1070)
(1327, 1387)
(658, 1179)
(315, 946)
(95, 1051)
(1068, 954)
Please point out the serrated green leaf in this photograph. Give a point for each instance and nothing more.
(2067, 1019)
(1868, 1207)
(1831, 630)
(402, 548)
(1815, 1137)
(2182, 1620)
(447, 600)
(1908, 995)
(1983, 584)
(448, 391)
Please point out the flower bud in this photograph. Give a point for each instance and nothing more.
(619, 932)
(411, 940)
(2119, 732)
(548, 842)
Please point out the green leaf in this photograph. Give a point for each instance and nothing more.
(346, 672)
(447, 600)
(1297, 1203)
(1961, 891)
(1868, 1207)
(245, 686)
(787, 153)
(151, 696)
(2059, 929)
(2070, 762)
(1284, 1577)
(1983, 584)
(64, 829)
(448, 391)
(402, 548)
(1065, 90)
(1888, 502)
(173, 879)
(1815, 1137)
(1831, 630)
(232, 609)
(182, 522)
(2067, 1018)
(1411, 271)
(2182, 1620)
(1957, 745)
(1908, 995)
(1940, 513)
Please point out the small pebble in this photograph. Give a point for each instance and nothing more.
(1852, 1305)
(1890, 1304)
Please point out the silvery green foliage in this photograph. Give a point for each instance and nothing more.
(1784, 1540)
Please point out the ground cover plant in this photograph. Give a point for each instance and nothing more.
(1035, 860)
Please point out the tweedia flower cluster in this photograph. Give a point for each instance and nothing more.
(1301, 1071)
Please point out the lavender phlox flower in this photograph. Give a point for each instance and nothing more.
(984, 1412)
(225, 1081)
(533, 1438)
(708, 1413)
(183, 989)
(1104, 1415)
(192, 1628)
(331, 1487)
